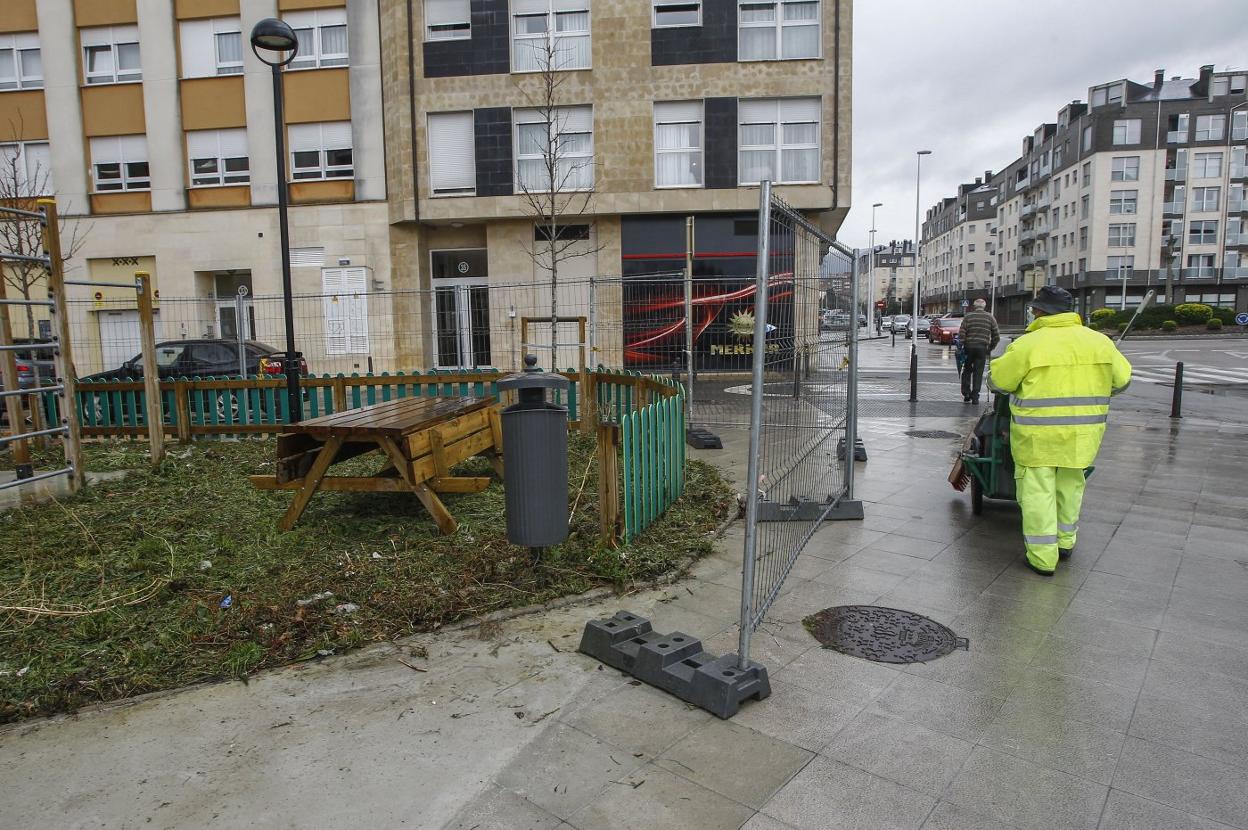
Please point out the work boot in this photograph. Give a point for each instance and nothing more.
(975, 400)
(1065, 553)
(1038, 570)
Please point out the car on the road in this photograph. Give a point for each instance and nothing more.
(886, 322)
(900, 323)
(831, 319)
(943, 331)
(202, 359)
(924, 324)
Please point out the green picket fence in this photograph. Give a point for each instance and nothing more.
(654, 462)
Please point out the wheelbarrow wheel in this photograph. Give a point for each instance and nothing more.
(977, 496)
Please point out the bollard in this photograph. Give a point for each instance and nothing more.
(894, 331)
(1176, 400)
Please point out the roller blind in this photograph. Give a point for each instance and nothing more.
(678, 111)
(199, 58)
(452, 156)
(442, 12)
(336, 135)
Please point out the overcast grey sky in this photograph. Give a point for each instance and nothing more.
(967, 79)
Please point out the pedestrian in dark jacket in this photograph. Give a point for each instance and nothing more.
(980, 335)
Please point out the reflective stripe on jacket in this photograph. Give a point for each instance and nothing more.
(1060, 376)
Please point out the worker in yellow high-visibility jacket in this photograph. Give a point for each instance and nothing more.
(1060, 376)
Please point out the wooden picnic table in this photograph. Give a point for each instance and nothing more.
(423, 438)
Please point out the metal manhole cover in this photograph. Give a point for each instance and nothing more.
(884, 635)
(931, 433)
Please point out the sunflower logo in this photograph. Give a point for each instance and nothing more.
(742, 325)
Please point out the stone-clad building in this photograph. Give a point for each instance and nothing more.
(1142, 188)
(410, 127)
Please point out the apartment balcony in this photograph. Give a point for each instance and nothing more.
(1027, 235)
(1176, 136)
(1239, 133)
(1044, 202)
(1028, 211)
(1200, 273)
(1173, 208)
(1176, 174)
(1233, 239)
(1042, 232)
(1239, 171)
(1025, 262)
(1238, 273)
(1237, 206)
(1041, 257)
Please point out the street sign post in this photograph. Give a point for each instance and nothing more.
(965, 302)
(1241, 319)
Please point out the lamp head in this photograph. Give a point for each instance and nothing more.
(878, 204)
(924, 152)
(274, 42)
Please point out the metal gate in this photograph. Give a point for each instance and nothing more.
(803, 395)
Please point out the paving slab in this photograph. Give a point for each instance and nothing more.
(1026, 795)
(1183, 781)
(829, 794)
(735, 761)
(911, 755)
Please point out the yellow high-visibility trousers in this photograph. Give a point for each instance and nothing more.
(1050, 498)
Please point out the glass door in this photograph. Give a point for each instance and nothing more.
(461, 319)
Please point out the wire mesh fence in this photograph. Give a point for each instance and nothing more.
(802, 394)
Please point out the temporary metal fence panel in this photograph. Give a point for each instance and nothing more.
(802, 396)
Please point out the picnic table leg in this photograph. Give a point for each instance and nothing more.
(311, 481)
(441, 516)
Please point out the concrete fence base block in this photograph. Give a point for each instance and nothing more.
(846, 510)
(675, 663)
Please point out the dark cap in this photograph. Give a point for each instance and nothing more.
(1053, 300)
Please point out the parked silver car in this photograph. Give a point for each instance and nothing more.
(900, 323)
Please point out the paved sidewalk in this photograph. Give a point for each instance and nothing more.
(1114, 695)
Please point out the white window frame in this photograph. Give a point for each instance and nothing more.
(671, 113)
(228, 143)
(123, 151)
(19, 46)
(448, 20)
(1124, 129)
(315, 21)
(456, 163)
(779, 24)
(1121, 235)
(1120, 200)
(778, 145)
(1124, 268)
(1214, 127)
(1202, 232)
(557, 126)
(301, 140)
(1117, 175)
(40, 178)
(659, 6)
(1203, 202)
(1239, 125)
(200, 47)
(111, 39)
(552, 11)
(1201, 162)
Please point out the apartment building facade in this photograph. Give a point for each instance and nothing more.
(959, 250)
(662, 111)
(152, 124)
(889, 275)
(1141, 188)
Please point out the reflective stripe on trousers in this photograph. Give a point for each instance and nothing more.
(1050, 498)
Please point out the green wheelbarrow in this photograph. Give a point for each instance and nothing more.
(984, 463)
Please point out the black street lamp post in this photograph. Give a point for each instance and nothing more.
(275, 44)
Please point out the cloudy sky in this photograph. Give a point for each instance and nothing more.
(967, 79)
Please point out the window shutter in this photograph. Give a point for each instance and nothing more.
(452, 152)
(233, 143)
(126, 34)
(202, 144)
(335, 16)
(198, 57)
(575, 119)
(529, 6)
(133, 147)
(441, 12)
(757, 111)
(678, 111)
(336, 135)
(98, 36)
(105, 150)
(300, 19)
(26, 40)
(355, 282)
(304, 137)
(799, 109)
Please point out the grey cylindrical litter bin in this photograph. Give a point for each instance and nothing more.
(535, 459)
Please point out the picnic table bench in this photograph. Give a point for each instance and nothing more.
(423, 438)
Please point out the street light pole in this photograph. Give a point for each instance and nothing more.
(914, 318)
(276, 38)
(871, 274)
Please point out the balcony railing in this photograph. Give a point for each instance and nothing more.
(1027, 235)
(1021, 183)
(1239, 171)
(1239, 133)
(1025, 262)
(1042, 232)
(1028, 210)
(1236, 239)
(1041, 257)
(1237, 273)
(1201, 273)
(1176, 136)
(1173, 208)
(1237, 205)
(1176, 174)
(1043, 202)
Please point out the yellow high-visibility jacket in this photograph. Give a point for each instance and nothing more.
(1060, 376)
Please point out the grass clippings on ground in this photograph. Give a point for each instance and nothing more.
(178, 575)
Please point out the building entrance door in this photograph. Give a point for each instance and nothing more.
(461, 309)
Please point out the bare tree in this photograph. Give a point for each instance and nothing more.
(21, 184)
(555, 167)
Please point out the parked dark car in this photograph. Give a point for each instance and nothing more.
(30, 363)
(201, 359)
